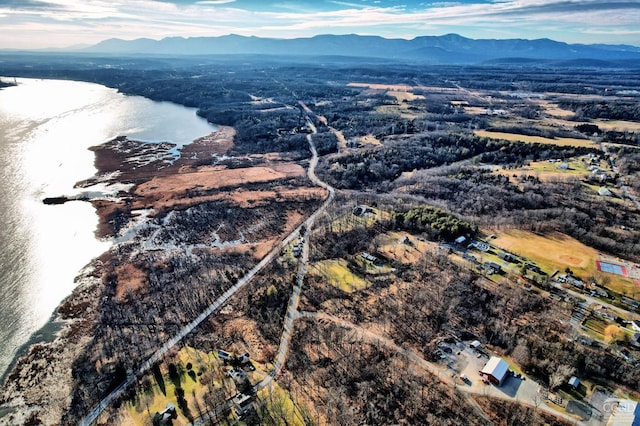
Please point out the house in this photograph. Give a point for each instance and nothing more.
(625, 413)
(475, 344)
(507, 257)
(635, 340)
(635, 325)
(242, 403)
(605, 314)
(574, 382)
(480, 245)
(461, 240)
(492, 268)
(495, 371)
(371, 258)
(630, 302)
(563, 166)
(604, 192)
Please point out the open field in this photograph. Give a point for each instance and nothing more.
(558, 252)
(546, 170)
(392, 246)
(338, 274)
(535, 139)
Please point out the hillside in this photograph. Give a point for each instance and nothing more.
(446, 49)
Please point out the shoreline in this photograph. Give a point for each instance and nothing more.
(269, 192)
(62, 339)
(45, 334)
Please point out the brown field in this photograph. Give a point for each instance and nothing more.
(559, 251)
(130, 279)
(554, 110)
(164, 189)
(556, 250)
(391, 245)
(404, 96)
(535, 139)
(619, 125)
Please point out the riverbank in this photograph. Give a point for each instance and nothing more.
(39, 381)
(216, 213)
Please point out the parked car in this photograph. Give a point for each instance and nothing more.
(226, 356)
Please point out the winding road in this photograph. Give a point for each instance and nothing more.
(93, 415)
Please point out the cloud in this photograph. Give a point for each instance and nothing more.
(567, 20)
(27, 5)
(214, 2)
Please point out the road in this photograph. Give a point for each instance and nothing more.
(522, 392)
(293, 303)
(292, 308)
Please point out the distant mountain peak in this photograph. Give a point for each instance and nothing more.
(449, 48)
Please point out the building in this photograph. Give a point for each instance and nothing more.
(461, 240)
(625, 413)
(495, 371)
(492, 268)
(574, 382)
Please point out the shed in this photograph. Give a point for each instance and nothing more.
(461, 240)
(574, 382)
(495, 370)
(475, 344)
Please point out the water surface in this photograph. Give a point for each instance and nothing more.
(46, 128)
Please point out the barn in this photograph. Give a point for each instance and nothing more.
(495, 371)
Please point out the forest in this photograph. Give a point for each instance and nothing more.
(405, 141)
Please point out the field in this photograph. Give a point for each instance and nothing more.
(338, 274)
(558, 252)
(391, 245)
(535, 139)
(546, 170)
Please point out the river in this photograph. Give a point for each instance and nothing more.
(46, 128)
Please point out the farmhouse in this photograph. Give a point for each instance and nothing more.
(371, 258)
(495, 371)
(630, 302)
(507, 257)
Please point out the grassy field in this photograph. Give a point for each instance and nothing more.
(514, 137)
(338, 274)
(146, 404)
(349, 221)
(278, 402)
(392, 246)
(557, 252)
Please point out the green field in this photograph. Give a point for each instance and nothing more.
(338, 274)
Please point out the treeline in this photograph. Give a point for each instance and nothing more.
(486, 198)
(612, 109)
(436, 223)
(376, 168)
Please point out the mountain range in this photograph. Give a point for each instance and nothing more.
(446, 49)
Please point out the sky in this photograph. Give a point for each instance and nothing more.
(36, 24)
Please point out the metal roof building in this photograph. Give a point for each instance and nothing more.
(627, 413)
(495, 370)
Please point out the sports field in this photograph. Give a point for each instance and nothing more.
(556, 252)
